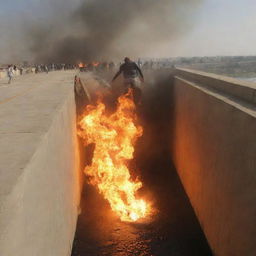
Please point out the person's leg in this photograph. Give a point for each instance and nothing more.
(127, 85)
(137, 93)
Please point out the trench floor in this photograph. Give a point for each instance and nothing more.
(173, 229)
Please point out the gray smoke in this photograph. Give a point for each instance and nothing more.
(85, 30)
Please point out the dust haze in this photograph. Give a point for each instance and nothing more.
(85, 30)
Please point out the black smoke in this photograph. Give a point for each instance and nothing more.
(84, 30)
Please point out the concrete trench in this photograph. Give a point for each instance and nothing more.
(196, 160)
(175, 229)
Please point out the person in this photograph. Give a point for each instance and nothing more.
(111, 66)
(139, 63)
(10, 73)
(131, 72)
(46, 69)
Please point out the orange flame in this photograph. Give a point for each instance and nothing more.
(114, 137)
(81, 65)
(95, 64)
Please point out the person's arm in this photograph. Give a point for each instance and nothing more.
(140, 72)
(117, 74)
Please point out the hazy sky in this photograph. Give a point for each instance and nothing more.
(222, 27)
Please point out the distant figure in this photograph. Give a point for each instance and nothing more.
(139, 63)
(10, 73)
(131, 73)
(111, 66)
(81, 66)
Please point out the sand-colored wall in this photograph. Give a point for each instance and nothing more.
(40, 171)
(214, 151)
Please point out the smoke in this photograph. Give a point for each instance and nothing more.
(84, 30)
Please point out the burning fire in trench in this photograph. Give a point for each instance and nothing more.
(114, 137)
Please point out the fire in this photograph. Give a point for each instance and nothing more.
(95, 63)
(81, 65)
(114, 137)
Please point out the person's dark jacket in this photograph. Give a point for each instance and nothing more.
(129, 70)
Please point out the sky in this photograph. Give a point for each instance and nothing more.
(221, 27)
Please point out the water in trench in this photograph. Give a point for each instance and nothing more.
(174, 229)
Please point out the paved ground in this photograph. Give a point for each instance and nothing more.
(26, 111)
(39, 172)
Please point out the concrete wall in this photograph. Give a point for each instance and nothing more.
(214, 151)
(242, 90)
(40, 204)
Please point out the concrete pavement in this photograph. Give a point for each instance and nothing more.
(39, 192)
(26, 111)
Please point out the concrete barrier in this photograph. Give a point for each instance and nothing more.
(214, 149)
(243, 90)
(39, 170)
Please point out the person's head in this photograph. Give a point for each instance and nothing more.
(127, 60)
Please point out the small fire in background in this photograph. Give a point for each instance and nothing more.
(114, 137)
(95, 64)
(81, 65)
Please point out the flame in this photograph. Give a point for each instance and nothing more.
(81, 65)
(95, 63)
(114, 137)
